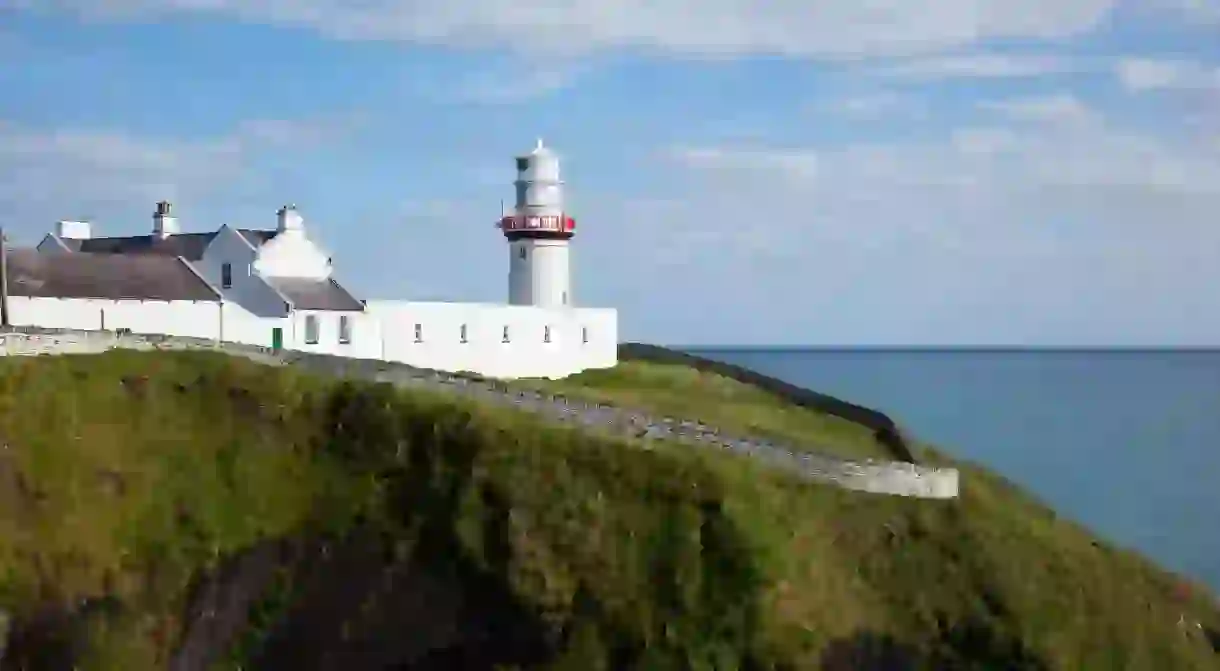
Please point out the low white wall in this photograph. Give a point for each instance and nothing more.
(540, 342)
(39, 342)
(901, 479)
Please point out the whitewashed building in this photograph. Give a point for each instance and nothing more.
(276, 287)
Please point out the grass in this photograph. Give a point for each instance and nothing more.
(125, 477)
(662, 389)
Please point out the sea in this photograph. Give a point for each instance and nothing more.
(1126, 442)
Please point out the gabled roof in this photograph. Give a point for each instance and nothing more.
(153, 277)
(189, 246)
(310, 294)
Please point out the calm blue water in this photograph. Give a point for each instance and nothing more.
(1127, 442)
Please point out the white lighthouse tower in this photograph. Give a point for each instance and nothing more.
(538, 233)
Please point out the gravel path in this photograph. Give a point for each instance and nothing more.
(636, 424)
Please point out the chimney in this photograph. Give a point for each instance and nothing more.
(289, 220)
(73, 230)
(164, 225)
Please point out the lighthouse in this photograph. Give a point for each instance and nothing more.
(538, 233)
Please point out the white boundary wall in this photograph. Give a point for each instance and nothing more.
(470, 337)
(505, 341)
(195, 319)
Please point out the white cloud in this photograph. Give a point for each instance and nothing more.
(1149, 74)
(84, 170)
(794, 164)
(977, 66)
(1062, 108)
(296, 132)
(981, 141)
(830, 28)
(1043, 233)
(520, 82)
(1202, 12)
(872, 106)
(62, 174)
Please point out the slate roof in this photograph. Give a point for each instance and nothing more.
(308, 294)
(189, 246)
(153, 277)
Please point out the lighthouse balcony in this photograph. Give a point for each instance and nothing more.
(521, 223)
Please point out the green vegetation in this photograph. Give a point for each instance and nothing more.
(415, 523)
(663, 389)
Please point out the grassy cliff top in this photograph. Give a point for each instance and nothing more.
(666, 389)
(430, 532)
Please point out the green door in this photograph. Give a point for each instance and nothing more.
(277, 339)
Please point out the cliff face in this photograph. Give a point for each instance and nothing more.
(182, 510)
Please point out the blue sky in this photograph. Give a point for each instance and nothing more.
(830, 172)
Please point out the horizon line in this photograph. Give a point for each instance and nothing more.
(950, 348)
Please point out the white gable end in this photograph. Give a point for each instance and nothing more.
(237, 283)
(291, 253)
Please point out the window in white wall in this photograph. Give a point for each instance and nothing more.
(546, 334)
(419, 333)
(520, 252)
(311, 329)
(504, 337)
(584, 334)
(463, 334)
(345, 330)
(226, 275)
(565, 298)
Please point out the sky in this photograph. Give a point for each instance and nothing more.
(790, 172)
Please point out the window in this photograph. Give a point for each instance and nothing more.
(226, 275)
(520, 252)
(584, 334)
(311, 329)
(419, 333)
(345, 330)
(546, 334)
(565, 298)
(463, 334)
(504, 338)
